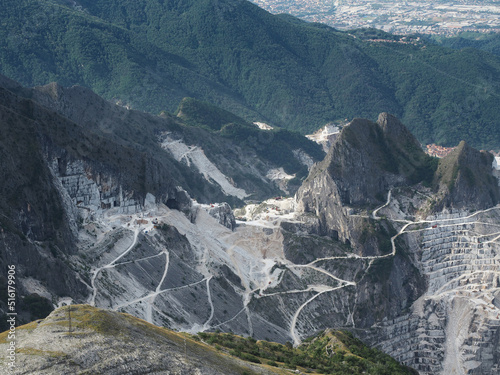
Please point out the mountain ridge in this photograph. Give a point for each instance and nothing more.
(389, 261)
(62, 171)
(82, 338)
(294, 74)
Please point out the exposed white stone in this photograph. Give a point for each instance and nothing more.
(325, 135)
(35, 286)
(263, 125)
(304, 158)
(86, 195)
(456, 318)
(149, 202)
(194, 155)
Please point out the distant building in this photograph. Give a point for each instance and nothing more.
(438, 151)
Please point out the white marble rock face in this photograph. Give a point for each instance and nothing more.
(454, 327)
(92, 194)
(208, 273)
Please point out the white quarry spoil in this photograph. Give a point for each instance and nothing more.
(280, 178)
(263, 125)
(34, 286)
(253, 252)
(496, 168)
(304, 158)
(325, 135)
(194, 155)
(278, 174)
(248, 251)
(267, 213)
(194, 274)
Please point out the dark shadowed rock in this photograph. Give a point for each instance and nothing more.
(464, 180)
(224, 214)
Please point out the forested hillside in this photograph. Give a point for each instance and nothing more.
(489, 42)
(277, 69)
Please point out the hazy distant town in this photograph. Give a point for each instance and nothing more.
(400, 17)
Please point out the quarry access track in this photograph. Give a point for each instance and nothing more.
(404, 229)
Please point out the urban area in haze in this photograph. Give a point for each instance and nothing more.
(400, 17)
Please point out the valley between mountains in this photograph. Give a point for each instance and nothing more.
(377, 238)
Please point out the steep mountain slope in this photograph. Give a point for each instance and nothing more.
(275, 69)
(89, 340)
(84, 339)
(463, 180)
(278, 146)
(67, 167)
(437, 288)
(410, 263)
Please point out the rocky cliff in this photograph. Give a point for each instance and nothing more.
(370, 159)
(463, 180)
(366, 161)
(35, 228)
(381, 239)
(69, 157)
(436, 217)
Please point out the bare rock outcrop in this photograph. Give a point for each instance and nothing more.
(224, 214)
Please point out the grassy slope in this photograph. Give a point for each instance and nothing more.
(88, 321)
(329, 352)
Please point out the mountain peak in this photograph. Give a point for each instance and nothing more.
(392, 127)
(463, 151)
(464, 179)
(368, 158)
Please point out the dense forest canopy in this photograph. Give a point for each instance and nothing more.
(273, 68)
